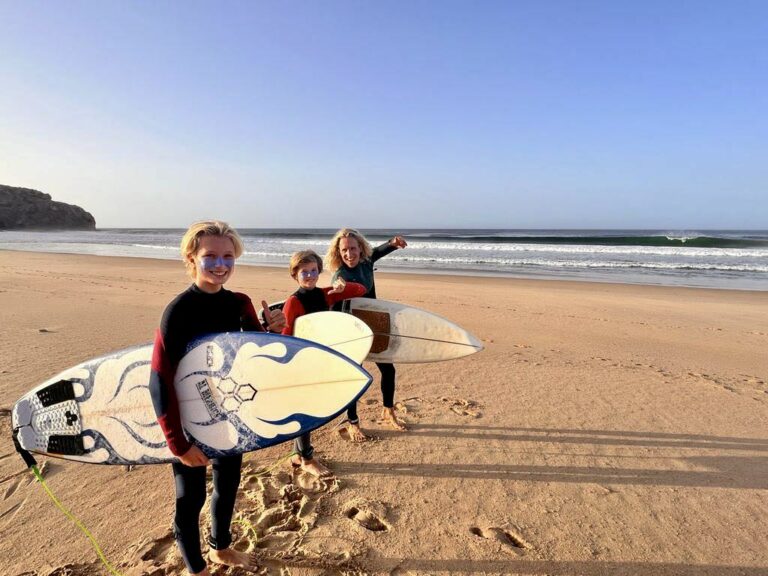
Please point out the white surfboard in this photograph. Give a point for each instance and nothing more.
(354, 340)
(237, 392)
(406, 334)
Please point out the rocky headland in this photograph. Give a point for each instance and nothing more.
(26, 209)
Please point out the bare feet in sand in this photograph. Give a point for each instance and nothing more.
(354, 433)
(390, 418)
(230, 557)
(311, 466)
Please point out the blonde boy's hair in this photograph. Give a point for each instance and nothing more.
(304, 257)
(333, 256)
(190, 243)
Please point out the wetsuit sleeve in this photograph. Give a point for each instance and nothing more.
(351, 290)
(164, 397)
(249, 319)
(292, 310)
(382, 250)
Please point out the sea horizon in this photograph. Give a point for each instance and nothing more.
(702, 258)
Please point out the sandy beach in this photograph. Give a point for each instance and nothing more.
(605, 429)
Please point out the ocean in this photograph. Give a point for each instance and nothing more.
(727, 259)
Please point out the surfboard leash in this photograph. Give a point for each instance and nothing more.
(31, 463)
(77, 523)
(268, 470)
(248, 527)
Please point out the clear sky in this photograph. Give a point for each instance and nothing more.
(508, 114)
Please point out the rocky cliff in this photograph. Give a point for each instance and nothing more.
(22, 208)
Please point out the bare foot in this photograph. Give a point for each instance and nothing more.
(355, 433)
(391, 418)
(230, 557)
(311, 466)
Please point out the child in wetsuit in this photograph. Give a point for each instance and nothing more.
(351, 258)
(305, 267)
(209, 250)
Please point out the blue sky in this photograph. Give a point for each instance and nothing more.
(391, 114)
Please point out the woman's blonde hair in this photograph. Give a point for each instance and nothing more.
(190, 243)
(333, 256)
(304, 257)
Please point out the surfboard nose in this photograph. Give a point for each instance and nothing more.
(475, 342)
(262, 389)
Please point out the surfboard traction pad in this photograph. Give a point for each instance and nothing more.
(55, 427)
(379, 323)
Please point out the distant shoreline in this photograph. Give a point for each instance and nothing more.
(715, 259)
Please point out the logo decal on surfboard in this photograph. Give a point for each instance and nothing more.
(205, 393)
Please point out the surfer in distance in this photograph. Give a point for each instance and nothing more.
(351, 258)
(209, 250)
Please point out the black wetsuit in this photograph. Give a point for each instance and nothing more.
(363, 274)
(305, 301)
(192, 314)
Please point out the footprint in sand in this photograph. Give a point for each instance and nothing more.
(462, 407)
(93, 569)
(280, 509)
(281, 518)
(156, 548)
(21, 479)
(274, 521)
(754, 380)
(273, 516)
(13, 486)
(408, 405)
(153, 555)
(369, 514)
(509, 540)
(313, 485)
(10, 514)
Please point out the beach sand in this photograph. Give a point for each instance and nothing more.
(605, 429)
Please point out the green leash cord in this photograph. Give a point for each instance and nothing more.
(32, 464)
(77, 522)
(96, 547)
(267, 471)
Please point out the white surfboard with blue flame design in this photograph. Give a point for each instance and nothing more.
(237, 392)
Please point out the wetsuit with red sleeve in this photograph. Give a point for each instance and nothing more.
(192, 314)
(316, 300)
(305, 302)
